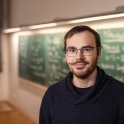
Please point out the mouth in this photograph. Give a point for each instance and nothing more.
(79, 65)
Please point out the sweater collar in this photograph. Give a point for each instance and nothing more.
(92, 94)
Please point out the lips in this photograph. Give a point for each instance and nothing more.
(79, 65)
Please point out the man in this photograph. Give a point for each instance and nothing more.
(87, 95)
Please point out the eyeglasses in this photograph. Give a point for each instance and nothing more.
(86, 51)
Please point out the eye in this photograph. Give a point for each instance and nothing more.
(72, 50)
(88, 49)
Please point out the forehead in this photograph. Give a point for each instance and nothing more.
(81, 39)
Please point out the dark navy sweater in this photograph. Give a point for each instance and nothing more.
(101, 104)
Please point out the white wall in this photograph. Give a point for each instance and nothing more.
(22, 94)
(4, 74)
(28, 12)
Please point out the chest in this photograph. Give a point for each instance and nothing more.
(103, 111)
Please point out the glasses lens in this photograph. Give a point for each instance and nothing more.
(71, 52)
(87, 51)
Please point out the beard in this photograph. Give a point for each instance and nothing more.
(86, 71)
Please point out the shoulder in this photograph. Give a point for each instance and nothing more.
(115, 90)
(55, 88)
(118, 89)
(60, 86)
(117, 85)
(116, 82)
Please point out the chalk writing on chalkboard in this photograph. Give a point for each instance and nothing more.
(112, 59)
(41, 58)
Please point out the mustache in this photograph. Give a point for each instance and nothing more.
(76, 62)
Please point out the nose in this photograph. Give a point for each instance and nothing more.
(79, 55)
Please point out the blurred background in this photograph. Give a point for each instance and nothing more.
(20, 98)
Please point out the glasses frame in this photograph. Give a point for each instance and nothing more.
(81, 50)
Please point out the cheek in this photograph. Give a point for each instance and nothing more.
(69, 59)
(94, 59)
(91, 59)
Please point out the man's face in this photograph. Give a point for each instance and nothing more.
(82, 65)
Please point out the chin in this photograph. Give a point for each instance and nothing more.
(84, 73)
(81, 75)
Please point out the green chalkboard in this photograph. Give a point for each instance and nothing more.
(112, 59)
(41, 58)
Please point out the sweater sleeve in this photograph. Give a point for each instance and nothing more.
(44, 115)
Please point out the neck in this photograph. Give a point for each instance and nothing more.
(87, 82)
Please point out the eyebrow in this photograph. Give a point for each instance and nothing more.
(72, 47)
(87, 46)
